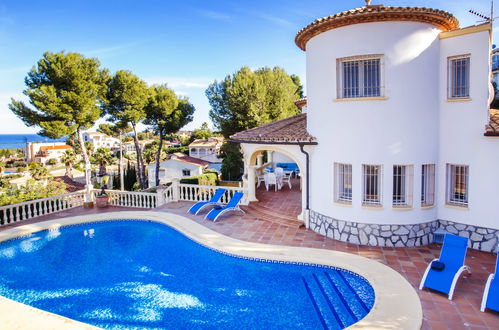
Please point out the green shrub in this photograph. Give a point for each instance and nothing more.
(172, 150)
(208, 179)
(16, 163)
(31, 190)
(51, 161)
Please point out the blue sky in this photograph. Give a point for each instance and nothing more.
(186, 44)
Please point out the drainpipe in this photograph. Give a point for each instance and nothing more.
(307, 187)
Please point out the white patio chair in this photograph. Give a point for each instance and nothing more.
(271, 179)
(286, 178)
(259, 177)
(279, 173)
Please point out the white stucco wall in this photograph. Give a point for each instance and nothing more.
(461, 135)
(401, 130)
(171, 169)
(279, 157)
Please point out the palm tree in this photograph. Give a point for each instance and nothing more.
(68, 158)
(38, 171)
(103, 157)
(149, 155)
(90, 147)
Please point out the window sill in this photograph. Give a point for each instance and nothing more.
(402, 207)
(427, 207)
(342, 203)
(374, 98)
(464, 99)
(456, 206)
(372, 207)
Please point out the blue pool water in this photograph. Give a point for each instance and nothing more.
(140, 274)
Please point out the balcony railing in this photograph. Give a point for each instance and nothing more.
(173, 193)
(38, 207)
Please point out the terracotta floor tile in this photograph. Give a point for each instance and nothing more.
(273, 222)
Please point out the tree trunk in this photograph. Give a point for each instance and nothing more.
(84, 153)
(69, 171)
(102, 169)
(140, 161)
(158, 155)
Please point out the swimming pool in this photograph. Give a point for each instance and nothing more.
(396, 303)
(119, 274)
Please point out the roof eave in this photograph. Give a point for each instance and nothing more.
(274, 142)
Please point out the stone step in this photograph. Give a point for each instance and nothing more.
(268, 215)
(259, 207)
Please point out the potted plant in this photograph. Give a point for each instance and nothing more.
(102, 198)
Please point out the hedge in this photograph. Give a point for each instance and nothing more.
(209, 178)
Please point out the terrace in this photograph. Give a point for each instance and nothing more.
(272, 220)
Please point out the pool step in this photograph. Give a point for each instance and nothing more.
(334, 299)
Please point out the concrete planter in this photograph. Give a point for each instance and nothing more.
(102, 201)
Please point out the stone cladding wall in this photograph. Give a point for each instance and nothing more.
(484, 239)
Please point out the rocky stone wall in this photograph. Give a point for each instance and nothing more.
(484, 239)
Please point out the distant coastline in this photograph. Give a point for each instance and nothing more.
(16, 141)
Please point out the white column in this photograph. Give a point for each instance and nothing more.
(252, 184)
(270, 156)
(259, 160)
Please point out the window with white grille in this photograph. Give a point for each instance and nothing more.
(457, 184)
(186, 172)
(343, 179)
(428, 185)
(459, 77)
(402, 185)
(359, 76)
(371, 185)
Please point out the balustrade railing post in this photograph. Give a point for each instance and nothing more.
(160, 198)
(175, 189)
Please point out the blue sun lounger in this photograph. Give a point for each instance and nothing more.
(233, 205)
(491, 293)
(214, 200)
(442, 273)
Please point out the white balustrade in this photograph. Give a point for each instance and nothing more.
(175, 192)
(167, 194)
(199, 193)
(38, 207)
(131, 198)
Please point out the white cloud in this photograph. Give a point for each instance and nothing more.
(9, 123)
(215, 15)
(112, 49)
(181, 93)
(18, 69)
(275, 20)
(180, 82)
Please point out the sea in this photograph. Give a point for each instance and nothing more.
(16, 141)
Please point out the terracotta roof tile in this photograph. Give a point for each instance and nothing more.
(492, 129)
(300, 103)
(289, 130)
(193, 160)
(376, 13)
(57, 147)
(71, 185)
(211, 142)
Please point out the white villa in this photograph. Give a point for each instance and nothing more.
(395, 142)
(129, 147)
(206, 149)
(177, 167)
(42, 151)
(101, 140)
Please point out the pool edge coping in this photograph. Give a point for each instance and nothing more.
(396, 305)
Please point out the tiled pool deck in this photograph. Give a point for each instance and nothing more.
(274, 226)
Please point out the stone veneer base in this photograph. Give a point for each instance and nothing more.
(484, 239)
